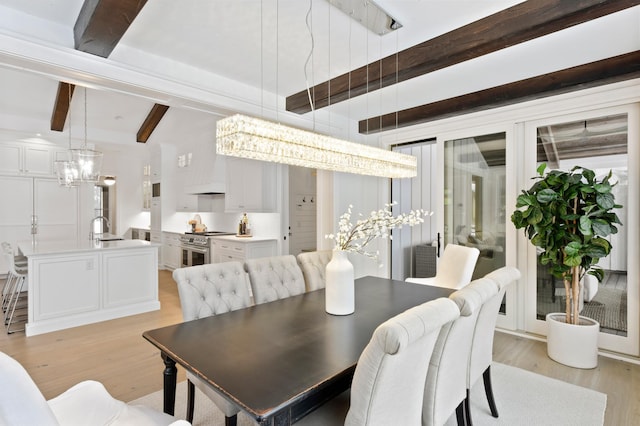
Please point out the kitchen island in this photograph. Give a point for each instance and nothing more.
(79, 282)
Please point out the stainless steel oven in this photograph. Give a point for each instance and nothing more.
(194, 250)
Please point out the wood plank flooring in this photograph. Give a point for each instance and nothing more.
(114, 353)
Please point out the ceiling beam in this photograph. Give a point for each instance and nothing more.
(150, 123)
(606, 71)
(102, 23)
(61, 106)
(522, 22)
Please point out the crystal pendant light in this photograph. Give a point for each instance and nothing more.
(89, 161)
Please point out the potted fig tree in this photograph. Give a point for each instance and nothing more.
(568, 216)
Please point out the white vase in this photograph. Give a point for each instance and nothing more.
(339, 288)
(570, 344)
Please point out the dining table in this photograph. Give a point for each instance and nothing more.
(279, 361)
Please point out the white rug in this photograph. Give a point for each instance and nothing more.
(523, 398)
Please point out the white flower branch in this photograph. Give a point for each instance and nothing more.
(354, 238)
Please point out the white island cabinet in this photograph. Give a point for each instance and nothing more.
(73, 283)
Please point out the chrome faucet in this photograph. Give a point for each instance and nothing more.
(106, 221)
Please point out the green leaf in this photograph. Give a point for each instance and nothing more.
(598, 273)
(541, 169)
(573, 260)
(572, 249)
(605, 201)
(595, 251)
(601, 227)
(585, 225)
(546, 196)
(525, 200)
(602, 188)
(602, 243)
(589, 175)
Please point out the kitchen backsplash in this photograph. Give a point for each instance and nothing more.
(262, 224)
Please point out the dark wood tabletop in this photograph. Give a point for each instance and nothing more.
(279, 360)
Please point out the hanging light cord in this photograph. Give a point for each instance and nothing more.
(85, 118)
(309, 58)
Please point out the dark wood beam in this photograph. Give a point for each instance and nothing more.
(61, 106)
(150, 123)
(606, 71)
(522, 22)
(102, 23)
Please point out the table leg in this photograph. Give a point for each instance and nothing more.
(170, 371)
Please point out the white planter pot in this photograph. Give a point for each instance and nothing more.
(339, 289)
(570, 344)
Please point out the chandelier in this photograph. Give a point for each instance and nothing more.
(248, 137)
(82, 164)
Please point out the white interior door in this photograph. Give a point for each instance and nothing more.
(601, 140)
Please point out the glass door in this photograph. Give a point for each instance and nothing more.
(475, 194)
(598, 141)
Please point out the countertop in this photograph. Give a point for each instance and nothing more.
(30, 248)
(242, 239)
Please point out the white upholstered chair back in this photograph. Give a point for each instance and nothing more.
(388, 383)
(207, 290)
(212, 289)
(87, 403)
(455, 268)
(482, 343)
(314, 267)
(445, 386)
(274, 278)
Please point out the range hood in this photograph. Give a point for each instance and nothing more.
(207, 176)
(210, 188)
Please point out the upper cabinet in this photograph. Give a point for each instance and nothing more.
(23, 159)
(251, 186)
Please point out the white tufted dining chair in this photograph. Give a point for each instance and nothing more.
(455, 268)
(446, 384)
(481, 355)
(314, 267)
(274, 278)
(388, 383)
(207, 290)
(87, 403)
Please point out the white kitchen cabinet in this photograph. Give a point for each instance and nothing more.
(20, 159)
(155, 172)
(186, 202)
(37, 205)
(146, 187)
(251, 186)
(156, 237)
(156, 214)
(171, 250)
(227, 249)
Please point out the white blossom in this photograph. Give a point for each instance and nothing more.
(379, 224)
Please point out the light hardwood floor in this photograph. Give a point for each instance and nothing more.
(114, 353)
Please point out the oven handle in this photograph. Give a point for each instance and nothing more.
(203, 250)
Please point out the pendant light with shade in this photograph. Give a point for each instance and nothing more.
(84, 164)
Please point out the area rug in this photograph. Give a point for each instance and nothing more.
(523, 398)
(608, 307)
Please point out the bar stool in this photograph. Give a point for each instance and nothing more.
(13, 297)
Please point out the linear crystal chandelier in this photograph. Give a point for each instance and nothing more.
(248, 137)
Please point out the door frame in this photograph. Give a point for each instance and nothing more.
(509, 320)
(630, 344)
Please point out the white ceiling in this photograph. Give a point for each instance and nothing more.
(219, 56)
